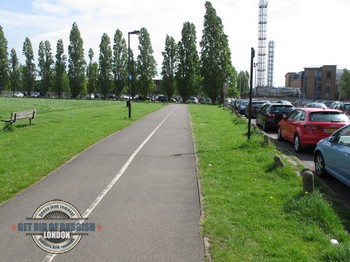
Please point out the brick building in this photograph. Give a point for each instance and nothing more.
(316, 82)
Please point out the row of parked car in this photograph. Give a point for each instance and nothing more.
(309, 125)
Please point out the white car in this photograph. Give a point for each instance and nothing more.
(192, 100)
(18, 94)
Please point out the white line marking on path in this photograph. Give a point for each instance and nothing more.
(94, 204)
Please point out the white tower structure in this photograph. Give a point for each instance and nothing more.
(270, 63)
(261, 64)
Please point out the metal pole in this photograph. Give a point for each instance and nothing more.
(252, 55)
(129, 76)
(135, 32)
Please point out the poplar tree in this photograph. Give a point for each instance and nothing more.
(105, 65)
(188, 74)
(60, 68)
(120, 63)
(15, 73)
(45, 62)
(146, 63)
(216, 66)
(4, 62)
(169, 66)
(29, 68)
(92, 74)
(76, 62)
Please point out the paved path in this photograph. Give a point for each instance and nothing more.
(138, 184)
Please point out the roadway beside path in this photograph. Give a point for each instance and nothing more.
(139, 186)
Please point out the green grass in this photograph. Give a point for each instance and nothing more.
(60, 130)
(254, 210)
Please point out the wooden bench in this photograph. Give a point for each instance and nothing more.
(29, 114)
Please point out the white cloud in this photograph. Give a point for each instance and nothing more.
(49, 8)
(304, 32)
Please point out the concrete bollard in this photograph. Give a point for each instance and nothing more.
(308, 181)
(278, 161)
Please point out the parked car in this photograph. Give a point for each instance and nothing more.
(316, 105)
(18, 94)
(271, 114)
(242, 106)
(332, 155)
(306, 126)
(35, 94)
(343, 106)
(192, 100)
(237, 102)
(255, 108)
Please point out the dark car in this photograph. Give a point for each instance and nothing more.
(242, 105)
(271, 114)
(255, 107)
(343, 106)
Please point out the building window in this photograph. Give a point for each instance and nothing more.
(329, 74)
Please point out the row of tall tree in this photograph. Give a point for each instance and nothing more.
(184, 71)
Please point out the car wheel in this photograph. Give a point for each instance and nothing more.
(297, 145)
(279, 134)
(320, 169)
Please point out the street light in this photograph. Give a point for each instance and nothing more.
(135, 32)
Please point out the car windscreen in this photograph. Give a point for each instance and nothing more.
(328, 117)
(281, 109)
(244, 103)
(347, 107)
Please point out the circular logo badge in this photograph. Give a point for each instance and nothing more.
(57, 236)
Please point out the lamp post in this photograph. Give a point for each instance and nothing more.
(135, 32)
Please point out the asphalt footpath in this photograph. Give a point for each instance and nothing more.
(136, 190)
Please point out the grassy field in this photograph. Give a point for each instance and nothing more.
(254, 210)
(60, 130)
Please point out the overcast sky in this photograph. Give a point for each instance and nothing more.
(306, 32)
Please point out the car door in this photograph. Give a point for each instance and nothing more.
(290, 125)
(260, 118)
(337, 155)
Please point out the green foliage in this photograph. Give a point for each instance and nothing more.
(243, 83)
(15, 72)
(105, 65)
(45, 62)
(169, 66)
(216, 66)
(29, 68)
(187, 74)
(76, 62)
(4, 63)
(146, 63)
(60, 68)
(92, 74)
(120, 63)
(345, 84)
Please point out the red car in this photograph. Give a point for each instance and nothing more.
(306, 126)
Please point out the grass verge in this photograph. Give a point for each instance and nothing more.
(254, 210)
(60, 130)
